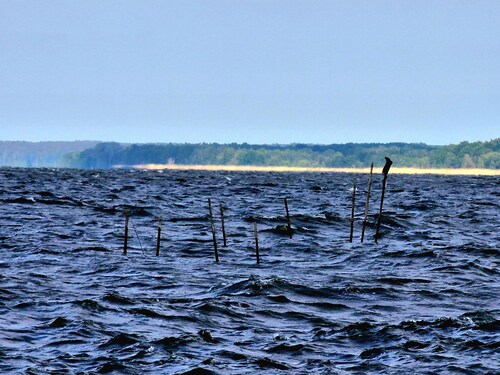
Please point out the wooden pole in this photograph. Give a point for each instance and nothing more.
(158, 237)
(223, 226)
(367, 203)
(213, 230)
(385, 171)
(125, 241)
(256, 235)
(289, 224)
(352, 209)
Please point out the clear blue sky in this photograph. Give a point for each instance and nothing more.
(256, 71)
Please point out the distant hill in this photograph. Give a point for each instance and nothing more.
(350, 155)
(39, 154)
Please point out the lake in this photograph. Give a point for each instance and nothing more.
(424, 299)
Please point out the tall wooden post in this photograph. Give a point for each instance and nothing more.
(212, 224)
(367, 203)
(256, 235)
(289, 224)
(352, 209)
(385, 171)
(223, 226)
(158, 238)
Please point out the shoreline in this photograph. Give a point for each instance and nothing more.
(258, 168)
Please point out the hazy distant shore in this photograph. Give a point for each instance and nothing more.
(258, 168)
(466, 157)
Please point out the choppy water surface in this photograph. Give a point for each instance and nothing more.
(425, 299)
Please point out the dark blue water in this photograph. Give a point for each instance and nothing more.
(424, 299)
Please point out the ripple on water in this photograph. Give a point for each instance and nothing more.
(424, 297)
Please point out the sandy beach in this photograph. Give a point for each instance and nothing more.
(258, 168)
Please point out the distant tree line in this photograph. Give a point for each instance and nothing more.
(38, 154)
(463, 155)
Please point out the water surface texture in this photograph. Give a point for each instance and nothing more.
(424, 299)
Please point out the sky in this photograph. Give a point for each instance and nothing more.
(255, 71)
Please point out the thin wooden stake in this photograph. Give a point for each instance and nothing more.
(158, 237)
(289, 224)
(385, 171)
(256, 235)
(223, 226)
(352, 209)
(213, 230)
(125, 241)
(368, 194)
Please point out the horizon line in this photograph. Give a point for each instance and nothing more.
(254, 144)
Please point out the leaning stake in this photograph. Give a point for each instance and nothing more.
(352, 209)
(367, 203)
(213, 230)
(288, 219)
(223, 227)
(256, 234)
(385, 171)
(158, 237)
(125, 241)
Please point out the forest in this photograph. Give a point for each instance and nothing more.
(348, 155)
